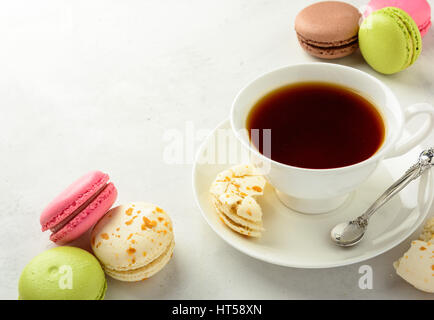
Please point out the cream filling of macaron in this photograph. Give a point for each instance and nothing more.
(77, 211)
(330, 45)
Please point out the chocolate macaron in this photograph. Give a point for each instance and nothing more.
(328, 29)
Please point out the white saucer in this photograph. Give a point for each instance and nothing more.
(297, 240)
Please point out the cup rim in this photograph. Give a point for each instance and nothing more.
(382, 151)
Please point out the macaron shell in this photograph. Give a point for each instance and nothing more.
(424, 28)
(328, 22)
(131, 236)
(44, 275)
(101, 294)
(87, 217)
(72, 198)
(384, 42)
(249, 209)
(146, 271)
(417, 266)
(419, 10)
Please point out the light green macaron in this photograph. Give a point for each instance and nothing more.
(63, 273)
(389, 40)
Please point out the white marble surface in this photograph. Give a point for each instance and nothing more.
(95, 84)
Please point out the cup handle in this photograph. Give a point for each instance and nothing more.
(404, 145)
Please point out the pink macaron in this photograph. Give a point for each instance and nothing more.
(78, 207)
(419, 10)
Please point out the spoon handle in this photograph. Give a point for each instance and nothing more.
(426, 161)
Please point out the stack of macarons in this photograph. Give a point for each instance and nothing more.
(389, 33)
(130, 242)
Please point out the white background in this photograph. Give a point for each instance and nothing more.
(90, 85)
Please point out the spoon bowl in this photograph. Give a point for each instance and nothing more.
(347, 234)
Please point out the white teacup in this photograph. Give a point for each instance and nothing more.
(321, 190)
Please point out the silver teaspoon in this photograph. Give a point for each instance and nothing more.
(348, 234)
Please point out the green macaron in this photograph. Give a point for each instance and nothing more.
(63, 273)
(389, 40)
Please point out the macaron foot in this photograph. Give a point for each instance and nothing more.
(144, 272)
